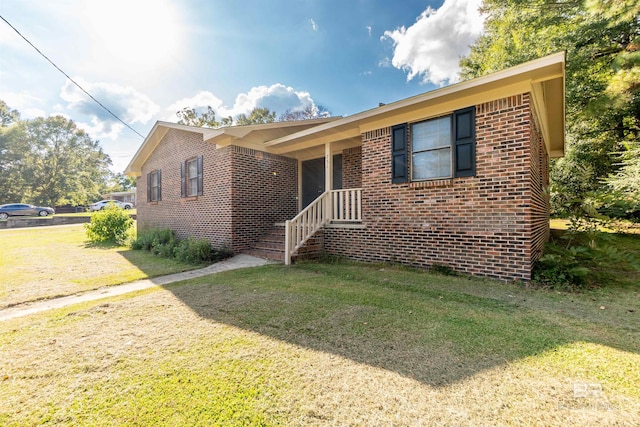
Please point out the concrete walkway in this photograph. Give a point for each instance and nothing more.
(233, 263)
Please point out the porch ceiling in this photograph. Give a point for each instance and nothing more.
(315, 151)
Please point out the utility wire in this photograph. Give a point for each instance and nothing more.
(71, 80)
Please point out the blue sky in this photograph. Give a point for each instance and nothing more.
(147, 59)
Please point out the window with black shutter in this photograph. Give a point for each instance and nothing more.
(191, 177)
(464, 142)
(154, 186)
(440, 148)
(399, 172)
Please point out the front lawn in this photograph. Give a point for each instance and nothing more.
(328, 344)
(44, 262)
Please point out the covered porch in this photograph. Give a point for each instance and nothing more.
(329, 186)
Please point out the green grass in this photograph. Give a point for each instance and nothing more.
(37, 263)
(327, 344)
(616, 226)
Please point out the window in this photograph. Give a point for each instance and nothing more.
(431, 149)
(154, 186)
(191, 177)
(442, 147)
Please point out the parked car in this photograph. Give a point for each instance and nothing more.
(21, 209)
(98, 206)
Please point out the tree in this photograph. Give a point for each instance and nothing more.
(13, 145)
(7, 115)
(256, 116)
(309, 112)
(49, 161)
(189, 116)
(121, 182)
(65, 165)
(602, 42)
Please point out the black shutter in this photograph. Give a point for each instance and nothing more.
(200, 175)
(399, 170)
(464, 142)
(159, 185)
(148, 187)
(183, 179)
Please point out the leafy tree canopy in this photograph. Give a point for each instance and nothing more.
(257, 116)
(189, 116)
(121, 182)
(309, 112)
(602, 42)
(49, 161)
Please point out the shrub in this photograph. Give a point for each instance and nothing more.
(163, 242)
(193, 251)
(576, 260)
(153, 240)
(112, 224)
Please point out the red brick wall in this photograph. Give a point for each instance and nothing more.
(264, 192)
(479, 225)
(207, 216)
(540, 206)
(245, 191)
(352, 167)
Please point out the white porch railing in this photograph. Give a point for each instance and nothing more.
(335, 205)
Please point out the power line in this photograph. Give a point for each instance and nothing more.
(71, 80)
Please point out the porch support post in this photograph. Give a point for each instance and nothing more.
(328, 179)
(299, 185)
(287, 242)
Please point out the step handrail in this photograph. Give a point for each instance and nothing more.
(298, 230)
(338, 205)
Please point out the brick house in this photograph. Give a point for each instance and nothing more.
(457, 176)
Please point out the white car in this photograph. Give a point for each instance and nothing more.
(98, 206)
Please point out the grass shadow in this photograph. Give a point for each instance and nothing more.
(101, 245)
(436, 329)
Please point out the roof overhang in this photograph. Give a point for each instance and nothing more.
(544, 78)
(250, 136)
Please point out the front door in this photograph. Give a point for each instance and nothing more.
(313, 178)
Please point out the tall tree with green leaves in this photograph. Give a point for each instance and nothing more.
(65, 165)
(12, 161)
(189, 116)
(49, 161)
(256, 116)
(307, 113)
(602, 42)
(121, 182)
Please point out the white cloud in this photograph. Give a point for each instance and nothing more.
(384, 62)
(314, 26)
(277, 97)
(100, 129)
(431, 48)
(28, 106)
(124, 101)
(368, 27)
(199, 101)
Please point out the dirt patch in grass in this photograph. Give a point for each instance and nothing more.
(321, 345)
